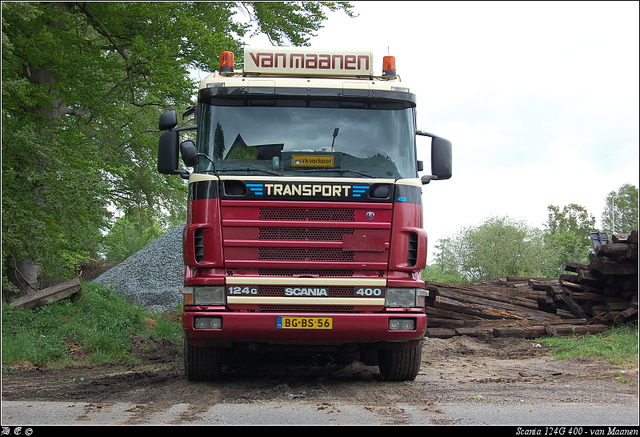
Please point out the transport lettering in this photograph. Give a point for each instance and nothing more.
(310, 190)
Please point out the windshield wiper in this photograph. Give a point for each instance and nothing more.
(250, 169)
(339, 170)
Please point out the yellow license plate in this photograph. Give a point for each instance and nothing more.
(304, 323)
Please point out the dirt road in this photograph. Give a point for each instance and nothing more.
(462, 381)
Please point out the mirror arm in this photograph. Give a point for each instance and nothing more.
(425, 134)
(428, 178)
(192, 127)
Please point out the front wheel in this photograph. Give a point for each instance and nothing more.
(400, 364)
(202, 363)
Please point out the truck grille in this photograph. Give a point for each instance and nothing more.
(326, 239)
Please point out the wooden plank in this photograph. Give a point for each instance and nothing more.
(591, 277)
(625, 315)
(48, 295)
(437, 322)
(588, 297)
(440, 313)
(482, 298)
(465, 308)
(475, 332)
(575, 267)
(572, 286)
(528, 332)
(619, 238)
(580, 329)
(492, 310)
(516, 311)
(612, 249)
(440, 333)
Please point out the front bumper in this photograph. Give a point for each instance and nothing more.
(262, 327)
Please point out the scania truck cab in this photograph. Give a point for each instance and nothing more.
(304, 217)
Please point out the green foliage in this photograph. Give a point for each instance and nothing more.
(567, 234)
(96, 319)
(83, 86)
(302, 19)
(620, 215)
(434, 273)
(497, 248)
(618, 346)
(130, 233)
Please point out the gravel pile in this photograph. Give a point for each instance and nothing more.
(153, 276)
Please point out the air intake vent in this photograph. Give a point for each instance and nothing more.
(301, 234)
(305, 272)
(198, 245)
(412, 255)
(296, 254)
(338, 215)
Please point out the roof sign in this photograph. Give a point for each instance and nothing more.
(306, 62)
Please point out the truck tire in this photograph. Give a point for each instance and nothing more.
(202, 363)
(400, 364)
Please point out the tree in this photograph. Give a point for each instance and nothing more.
(620, 215)
(130, 233)
(567, 234)
(83, 86)
(497, 248)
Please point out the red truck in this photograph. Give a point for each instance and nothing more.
(304, 217)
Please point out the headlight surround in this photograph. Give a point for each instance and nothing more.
(404, 297)
(205, 295)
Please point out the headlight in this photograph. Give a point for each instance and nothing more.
(204, 295)
(405, 297)
(400, 297)
(207, 322)
(402, 324)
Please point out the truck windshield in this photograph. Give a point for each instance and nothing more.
(307, 138)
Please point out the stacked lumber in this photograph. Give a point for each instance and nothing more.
(588, 299)
(607, 288)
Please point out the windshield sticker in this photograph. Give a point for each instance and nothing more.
(311, 161)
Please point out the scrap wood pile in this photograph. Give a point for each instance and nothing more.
(586, 299)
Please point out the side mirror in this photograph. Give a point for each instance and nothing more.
(168, 120)
(168, 153)
(441, 158)
(189, 153)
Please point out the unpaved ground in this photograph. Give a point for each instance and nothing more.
(457, 370)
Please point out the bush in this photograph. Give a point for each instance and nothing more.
(497, 248)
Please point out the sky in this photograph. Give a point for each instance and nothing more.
(540, 100)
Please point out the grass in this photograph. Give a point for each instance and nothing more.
(95, 326)
(618, 346)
